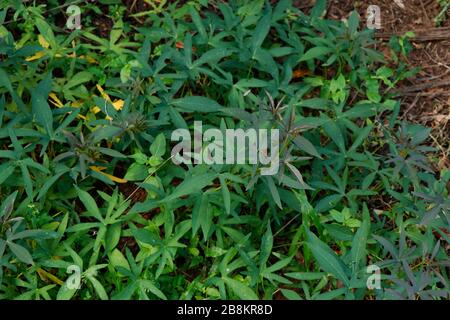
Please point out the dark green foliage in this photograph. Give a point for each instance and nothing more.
(79, 111)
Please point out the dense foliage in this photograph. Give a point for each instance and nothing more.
(85, 126)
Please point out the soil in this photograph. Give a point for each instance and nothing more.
(430, 106)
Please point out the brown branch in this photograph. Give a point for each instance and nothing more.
(421, 34)
(406, 91)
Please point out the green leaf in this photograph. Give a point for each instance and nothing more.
(111, 152)
(48, 183)
(337, 215)
(358, 251)
(4, 80)
(290, 294)
(315, 103)
(362, 135)
(8, 205)
(213, 56)
(326, 258)
(116, 32)
(20, 252)
(98, 288)
(136, 172)
(77, 79)
(319, 9)
(26, 179)
(34, 234)
(64, 293)
(198, 22)
(306, 146)
(274, 192)
(89, 204)
(353, 23)
(112, 236)
(158, 147)
(334, 132)
(201, 215)
(240, 289)
(260, 33)
(46, 31)
(373, 90)
(147, 284)
(40, 108)
(117, 259)
(266, 246)
(127, 292)
(315, 53)
(306, 276)
(146, 236)
(197, 104)
(191, 185)
(225, 194)
(5, 171)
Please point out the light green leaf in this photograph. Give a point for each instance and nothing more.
(89, 204)
(136, 172)
(147, 284)
(240, 289)
(158, 147)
